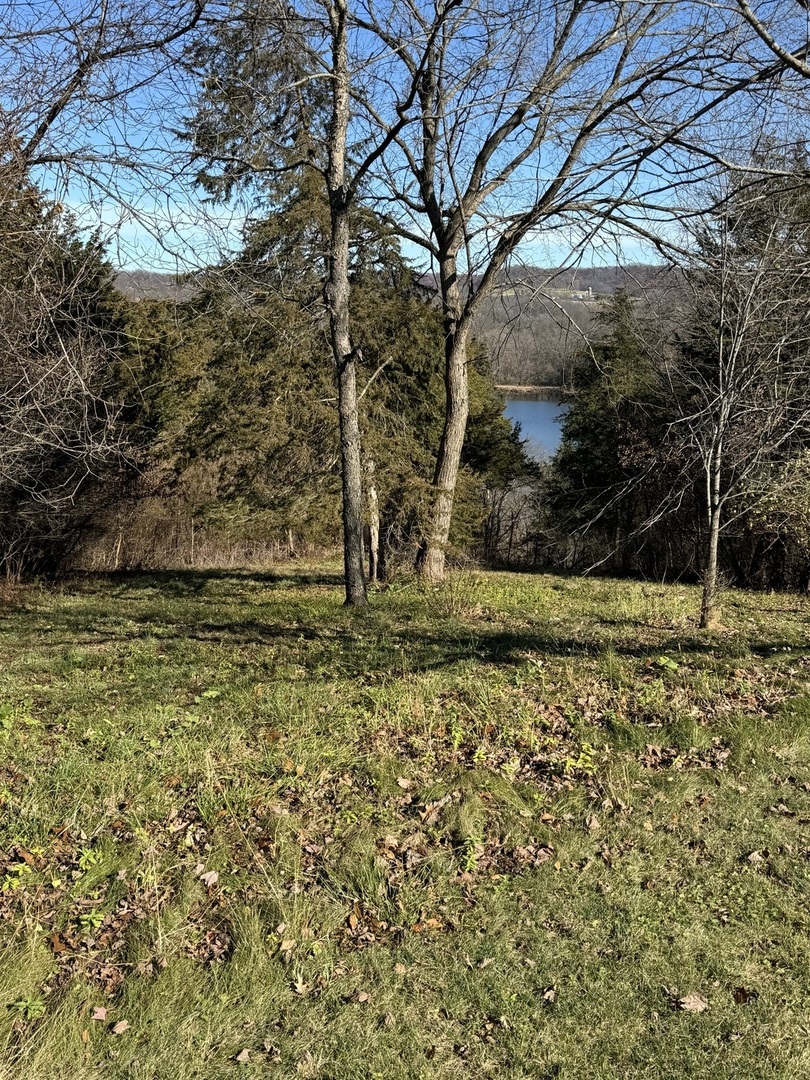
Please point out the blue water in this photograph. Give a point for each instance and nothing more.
(539, 421)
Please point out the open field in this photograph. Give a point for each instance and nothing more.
(519, 826)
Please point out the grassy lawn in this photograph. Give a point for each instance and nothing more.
(519, 826)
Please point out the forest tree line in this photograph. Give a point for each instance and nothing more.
(210, 421)
(465, 132)
(171, 432)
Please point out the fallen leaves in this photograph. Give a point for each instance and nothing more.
(213, 947)
(286, 949)
(57, 942)
(694, 1003)
(714, 756)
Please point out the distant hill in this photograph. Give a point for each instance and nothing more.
(537, 321)
(151, 285)
(534, 323)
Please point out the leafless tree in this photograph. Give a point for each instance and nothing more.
(59, 426)
(742, 375)
(275, 127)
(551, 119)
(75, 82)
(784, 28)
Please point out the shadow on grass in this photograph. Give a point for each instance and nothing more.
(374, 644)
(372, 650)
(180, 583)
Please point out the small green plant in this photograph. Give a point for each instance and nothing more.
(458, 736)
(9, 716)
(89, 858)
(666, 663)
(14, 876)
(29, 1008)
(585, 762)
(91, 920)
(471, 852)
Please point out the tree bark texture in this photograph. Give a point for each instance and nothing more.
(337, 296)
(433, 550)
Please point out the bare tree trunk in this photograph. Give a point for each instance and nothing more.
(432, 551)
(337, 297)
(374, 570)
(707, 606)
(338, 293)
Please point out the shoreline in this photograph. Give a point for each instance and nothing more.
(552, 391)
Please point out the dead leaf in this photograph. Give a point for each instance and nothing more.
(243, 1057)
(427, 924)
(592, 823)
(58, 943)
(120, 1027)
(404, 783)
(99, 1013)
(692, 1003)
(360, 997)
(209, 879)
(549, 993)
(286, 949)
(400, 969)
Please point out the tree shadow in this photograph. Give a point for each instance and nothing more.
(377, 644)
(179, 583)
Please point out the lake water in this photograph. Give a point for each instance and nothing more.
(539, 421)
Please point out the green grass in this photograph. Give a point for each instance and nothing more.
(498, 828)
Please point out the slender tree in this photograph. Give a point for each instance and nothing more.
(552, 119)
(740, 377)
(286, 100)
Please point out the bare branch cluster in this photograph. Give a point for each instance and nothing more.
(59, 427)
